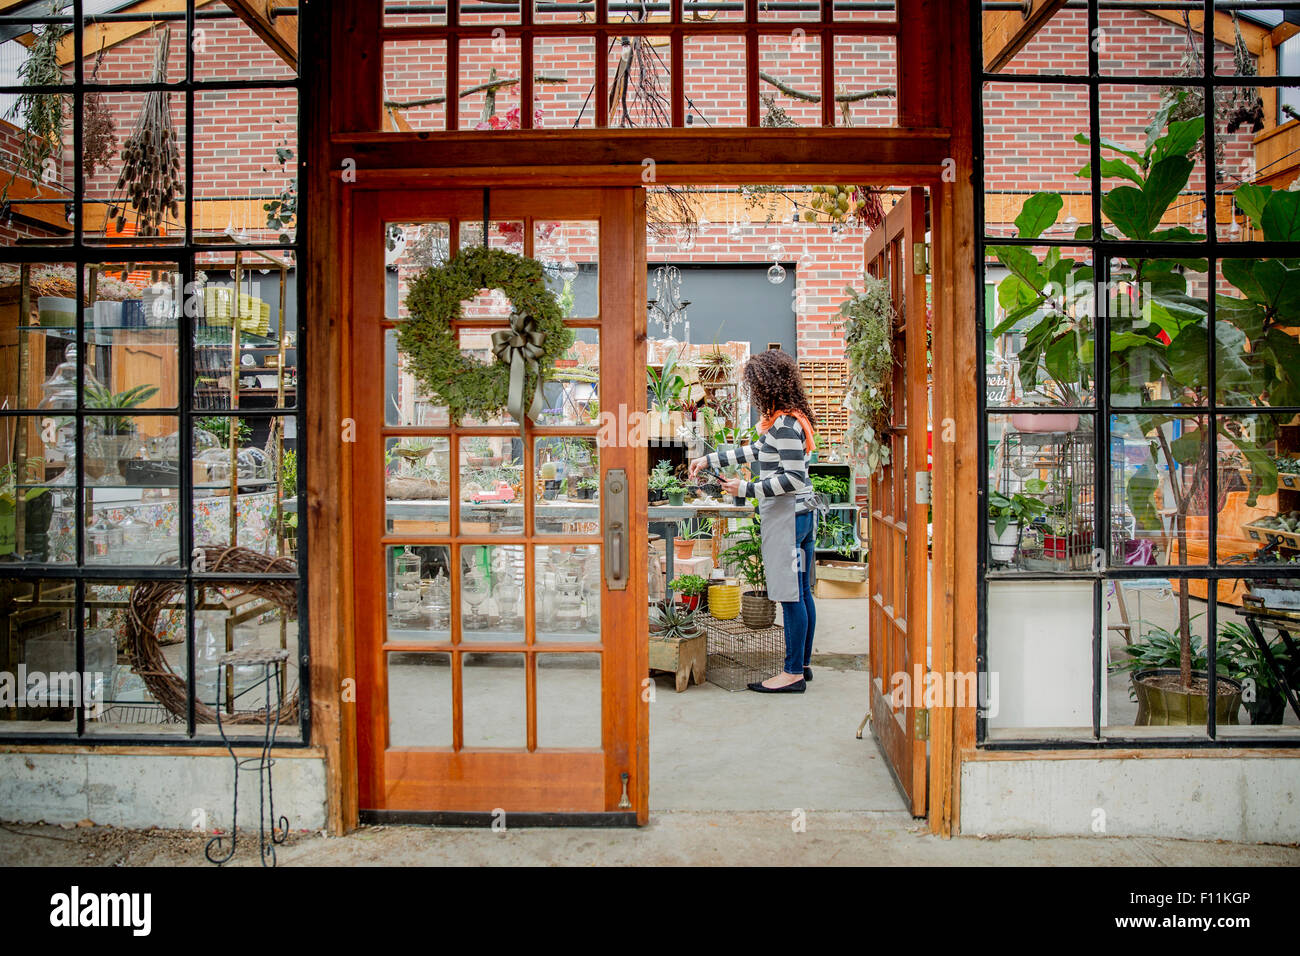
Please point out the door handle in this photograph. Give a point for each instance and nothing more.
(616, 530)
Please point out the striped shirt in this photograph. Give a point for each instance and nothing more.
(782, 464)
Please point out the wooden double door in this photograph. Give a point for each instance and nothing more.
(898, 560)
(499, 585)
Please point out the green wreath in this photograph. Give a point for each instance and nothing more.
(525, 354)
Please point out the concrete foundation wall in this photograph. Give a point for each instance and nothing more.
(1244, 799)
(173, 792)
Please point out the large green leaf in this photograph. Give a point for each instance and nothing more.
(1241, 273)
(1281, 217)
(1022, 262)
(1187, 356)
(1038, 213)
(1126, 207)
(1243, 313)
(1112, 169)
(1263, 470)
(1109, 144)
(1251, 199)
(1165, 181)
(1061, 358)
(1188, 447)
(1141, 495)
(1181, 139)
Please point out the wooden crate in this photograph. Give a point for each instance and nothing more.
(682, 657)
(826, 384)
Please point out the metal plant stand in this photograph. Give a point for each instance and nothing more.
(272, 661)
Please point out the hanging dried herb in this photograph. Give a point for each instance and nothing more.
(99, 132)
(151, 159)
(41, 113)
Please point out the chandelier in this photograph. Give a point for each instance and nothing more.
(668, 308)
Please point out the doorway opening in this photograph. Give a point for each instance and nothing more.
(731, 271)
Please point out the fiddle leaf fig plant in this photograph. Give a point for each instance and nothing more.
(1160, 350)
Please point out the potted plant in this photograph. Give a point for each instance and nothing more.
(676, 492)
(746, 556)
(836, 534)
(480, 454)
(1008, 513)
(661, 475)
(688, 532)
(688, 588)
(1262, 695)
(724, 600)
(1163, 697)
(716, 367)
(666, 385)
(587, 486)
(116, 432)
(1159, 329)
(673, 622)
(834, 487)
(867, 319)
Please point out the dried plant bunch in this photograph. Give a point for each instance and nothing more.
(151, 158)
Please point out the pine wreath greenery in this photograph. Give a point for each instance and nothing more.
(432, 348)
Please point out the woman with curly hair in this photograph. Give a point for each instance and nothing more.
(786, 505)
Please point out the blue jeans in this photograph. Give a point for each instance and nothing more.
(800, 617)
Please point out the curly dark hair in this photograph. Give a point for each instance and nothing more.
(772, 379)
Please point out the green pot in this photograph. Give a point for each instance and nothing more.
(676, 498)
(1159, 707)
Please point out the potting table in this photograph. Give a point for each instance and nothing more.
(1258, 617)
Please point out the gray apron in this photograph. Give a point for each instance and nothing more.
(780, 556)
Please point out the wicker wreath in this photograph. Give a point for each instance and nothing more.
(150, 599)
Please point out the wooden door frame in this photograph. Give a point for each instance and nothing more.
(941, 157)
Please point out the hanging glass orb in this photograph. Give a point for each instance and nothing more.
(776, 274)
(775, 251)
(736, 231)
(568, 270)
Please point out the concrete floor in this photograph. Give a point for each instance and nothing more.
(695, 838)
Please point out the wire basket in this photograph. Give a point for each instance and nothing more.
(739, 655)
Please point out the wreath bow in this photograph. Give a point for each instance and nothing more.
(521, 349)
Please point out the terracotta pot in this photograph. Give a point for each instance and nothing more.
(756, 610)
(683, 549)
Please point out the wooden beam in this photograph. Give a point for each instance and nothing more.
(916, 155)
(280, 33)
(99, 36)
(1252, 33)
(1007, 31)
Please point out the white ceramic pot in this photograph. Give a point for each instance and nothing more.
(1002, 547)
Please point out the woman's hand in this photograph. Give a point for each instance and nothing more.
(697, 466)
(731, 486)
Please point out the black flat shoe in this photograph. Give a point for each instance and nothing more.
(796, 688)
(807, 673)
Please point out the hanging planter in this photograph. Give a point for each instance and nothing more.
(867, 319)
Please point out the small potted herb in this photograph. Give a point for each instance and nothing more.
(676, 492)
(587, 486)
(688, 588)
(661, 476)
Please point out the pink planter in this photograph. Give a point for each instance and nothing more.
(1060, 422)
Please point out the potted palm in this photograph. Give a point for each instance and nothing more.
(1008, 514)
(746, 557)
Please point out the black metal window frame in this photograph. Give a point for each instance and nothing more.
(1102, 250)
(184, 255)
